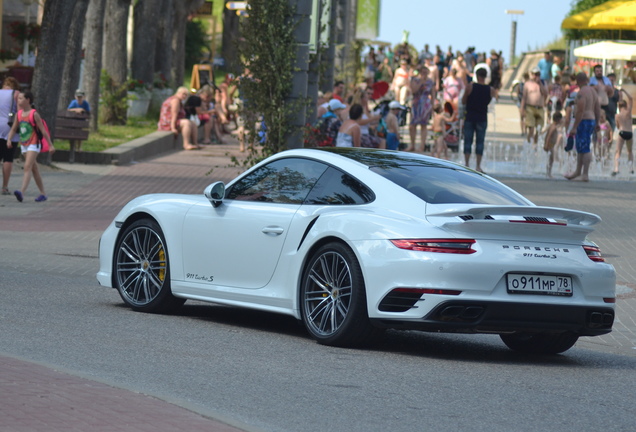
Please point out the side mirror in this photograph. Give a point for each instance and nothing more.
(215, 193)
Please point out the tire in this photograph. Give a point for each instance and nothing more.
(540, 343)
(333, 298)
(142, 270)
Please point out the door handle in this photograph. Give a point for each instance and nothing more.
(275, 230)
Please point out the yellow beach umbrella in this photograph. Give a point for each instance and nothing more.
(581, 20)
(622, 17)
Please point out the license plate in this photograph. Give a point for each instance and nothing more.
(539, 284)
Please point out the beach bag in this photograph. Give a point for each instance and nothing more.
(44, 143)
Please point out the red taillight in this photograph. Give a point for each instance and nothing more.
(455, 246)
(594, 253)
(609, 299)
(428, 291)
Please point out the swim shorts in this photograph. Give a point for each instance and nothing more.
(584, 135)
(392, 141)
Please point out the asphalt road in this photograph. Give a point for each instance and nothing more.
(263, 370)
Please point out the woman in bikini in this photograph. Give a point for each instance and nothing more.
(453, 87)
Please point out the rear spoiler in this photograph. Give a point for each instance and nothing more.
(561, 216)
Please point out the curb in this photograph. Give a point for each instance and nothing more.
(153, 144)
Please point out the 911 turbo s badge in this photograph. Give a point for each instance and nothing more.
(198, 277)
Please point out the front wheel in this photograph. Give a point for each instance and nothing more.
(333, 298)
(540, 343)
(142, 273)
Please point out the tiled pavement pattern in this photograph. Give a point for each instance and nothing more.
(63, 233)
(35, 398)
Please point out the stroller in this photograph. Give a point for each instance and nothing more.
(383, 107)
(452, 134)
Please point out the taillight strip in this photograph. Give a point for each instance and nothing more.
(594, 253)
(454, 246)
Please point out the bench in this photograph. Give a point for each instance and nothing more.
(73, 127)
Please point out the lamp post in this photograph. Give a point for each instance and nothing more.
(25, 51)
(513, 31)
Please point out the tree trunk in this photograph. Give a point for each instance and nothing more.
(163, 43)
(49, 65)
(115, 56)
(93, 56)
(72, 64)
(230, 38)
(181, 12)
(146, 15)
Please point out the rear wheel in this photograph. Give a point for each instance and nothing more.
(540, 343)
(333, 298)
(142, 271)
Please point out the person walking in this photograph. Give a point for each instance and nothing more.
(423, 90)
(8, 107)
(625, 132)
(587, 116)
(476, 99)
(545, 68)
(30, 144)
(532, 103)
(604, 89)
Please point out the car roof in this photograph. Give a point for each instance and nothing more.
(373, 157)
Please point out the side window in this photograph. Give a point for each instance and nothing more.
(284, 181)
(337, 188)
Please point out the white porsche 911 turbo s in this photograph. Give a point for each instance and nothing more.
(352, 241)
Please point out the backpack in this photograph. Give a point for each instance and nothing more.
(321, 131)
(45, 145)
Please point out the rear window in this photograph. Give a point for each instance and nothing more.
(448, 185)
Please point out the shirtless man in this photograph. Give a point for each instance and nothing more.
(532, 103)
(624, 123)
(586, 118)
(603, 87)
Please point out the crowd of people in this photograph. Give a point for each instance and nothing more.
(211, 106)
(439, 92)
(584, 112)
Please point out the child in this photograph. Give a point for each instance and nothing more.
(553, 138)
(439, 127)
(569, 121)
(29, 144)
(392, 126)
(604, 136)
(556, 95)
(625, 133)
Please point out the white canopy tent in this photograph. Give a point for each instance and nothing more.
(607, 50)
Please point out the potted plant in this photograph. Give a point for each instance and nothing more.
(160, 92)
(138, 98)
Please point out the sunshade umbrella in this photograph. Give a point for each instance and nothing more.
(621, 17)
(581, 20)
(379, 89)
(607, 50)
